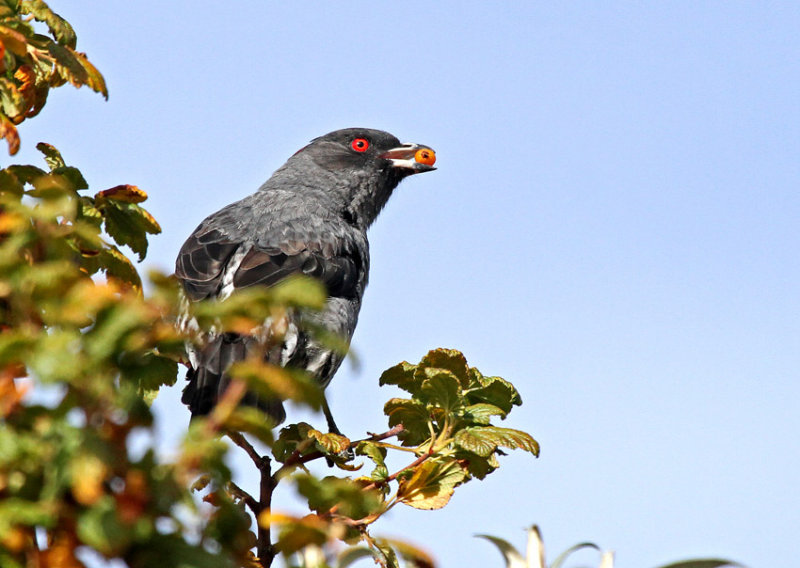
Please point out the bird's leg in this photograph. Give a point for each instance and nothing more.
(332, 427)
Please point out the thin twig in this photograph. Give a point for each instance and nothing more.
(297, 459)
(242, 442)
(248, 499)
(392, 477)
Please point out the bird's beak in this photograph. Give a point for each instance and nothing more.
(414, 157)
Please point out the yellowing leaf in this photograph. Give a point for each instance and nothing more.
(88, 473)
(484, 440)
(14, 41)
(431, 484)
(126, 193)
(9, 132)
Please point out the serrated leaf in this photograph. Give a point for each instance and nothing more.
(495, 391)
(401, 375)
(484, 440)
(449, 359)
(26, 174)
(477, 466)
(9, 132)
(12, 100)
(58, 26)
(378, 456)
(51, 156)
(14, 41)
(10, 184)
(331, 443)
(128, 224)
(441, 388)
(482, 413)
(431, 484)
(115, 264)
(349, 497)
(414, 417)
(150, 370)
(126, 193)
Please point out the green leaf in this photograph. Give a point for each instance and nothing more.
(51, 156)
(100, 528)
(431, 484)
(115, 264)
(475, 465)
(150, 370)
(484, 440)
(494, 391)
(378, 456)
(9, 183)
(482, 413)
(128, 224)
(414, 417)
(58, 26)
(449, 359)
(350, 498)
(26, 174)
(277, 382)
(401, 375)
(299, 291)
(441, 388)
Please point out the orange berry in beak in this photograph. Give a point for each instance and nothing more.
(425, 156)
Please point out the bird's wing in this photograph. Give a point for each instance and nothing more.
(211, 264)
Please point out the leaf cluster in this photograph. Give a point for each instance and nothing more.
(81, 353)
(444, 428)
(31, 63)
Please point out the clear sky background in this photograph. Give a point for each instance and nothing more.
(613, 227)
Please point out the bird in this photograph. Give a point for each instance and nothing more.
(310, 217)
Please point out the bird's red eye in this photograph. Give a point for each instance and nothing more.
(360, 144)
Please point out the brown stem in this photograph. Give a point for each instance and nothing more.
(264, 547)
(297, 459)
(266, 551)
(242, 442)
(248, 499)
(392, 477)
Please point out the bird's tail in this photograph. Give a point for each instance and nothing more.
(208, 377)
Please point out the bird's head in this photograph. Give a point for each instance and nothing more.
(361, 167)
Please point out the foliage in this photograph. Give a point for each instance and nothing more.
(83, 352)
(535, 556)
(31, 63)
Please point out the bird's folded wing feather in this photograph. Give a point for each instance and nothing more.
(210, 261)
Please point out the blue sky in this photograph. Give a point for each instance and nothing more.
(613, 227)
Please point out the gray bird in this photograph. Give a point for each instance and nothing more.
(311, 217)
